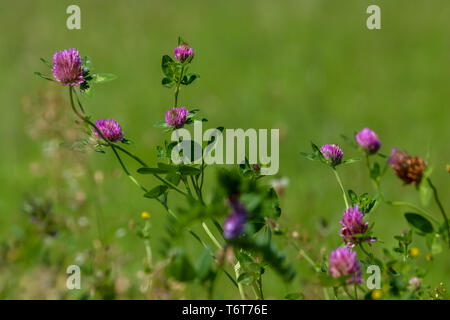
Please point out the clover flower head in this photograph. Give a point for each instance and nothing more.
(368, 140)
(235, 222)
(183, 51)
(409, 169)
(110, 129)
(67, 68)
(415, 283)
(332, 153)
(352, 225)
(176, 117)
(343, 262)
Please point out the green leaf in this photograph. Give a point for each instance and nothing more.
(245, 278)
(86, 63)
(189, 78)
(166, 82)
(180, 40)
(204, 265)
(188, 60)
(188, 170)
(161, 124)
(293, 296)
(243, 258)
(353, 197)
(88, 91)
(308, 156)
(174, 178)
(48, 64)
(375, 171)
(167, 167)
(103, 77)
(156, 192)
(44, 76)
(317, 154)
(146, 170)
(168, 66)
(419, 222)
(352, 160)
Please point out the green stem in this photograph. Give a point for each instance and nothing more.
(237, 268)
(412, 206)
(341, 186)
(148, 251)
(112, 145)
(441, 207)
(177, 89)
(325, 293)
(347, 293)
(261, 293)
(305, 256)
(211, 236)
(126, 170)
(368, 254)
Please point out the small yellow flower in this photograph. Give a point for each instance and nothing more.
(414, 252)
(429, 257)
(448, 168)
(145, 215)
(377, 294)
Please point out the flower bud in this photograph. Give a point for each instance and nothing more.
(368, 140)
(183, 51)
(332, 153)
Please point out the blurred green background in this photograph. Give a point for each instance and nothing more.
(308, 67)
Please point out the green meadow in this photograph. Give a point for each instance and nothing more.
(310, 68)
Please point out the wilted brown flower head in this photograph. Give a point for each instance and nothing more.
(409, 169)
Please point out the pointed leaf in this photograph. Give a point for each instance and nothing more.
(419, 222)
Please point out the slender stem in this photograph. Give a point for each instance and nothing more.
(412, 206)
(305, 256)
(126, 170)
(348, 293)
(341, 186)
(211, 236)
(237, 268)
(335, 292)
(368, 254)
(177, 89)
(261, 293)
(148, 251)
(112, 145)
(202, 175)
(325, 293)
(441, 207)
